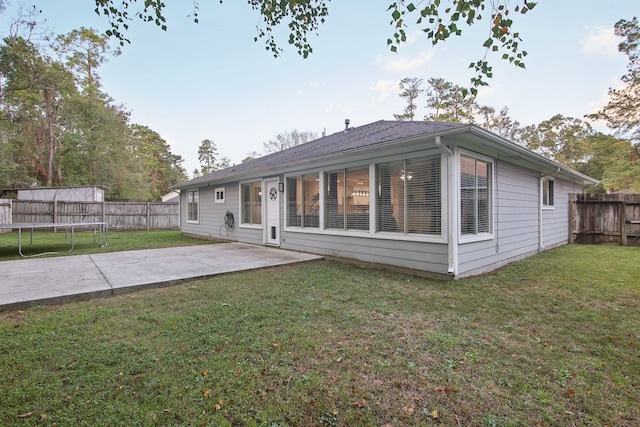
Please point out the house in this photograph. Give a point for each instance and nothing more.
(443, 198)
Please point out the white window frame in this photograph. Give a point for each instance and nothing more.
(241, 204)
(443, 195)
(219, 194)
(441, 238)
(197, 220)
(548, 185)
(468, 238)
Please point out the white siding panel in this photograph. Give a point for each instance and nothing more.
(515, 219)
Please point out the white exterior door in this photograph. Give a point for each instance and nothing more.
(273, 213)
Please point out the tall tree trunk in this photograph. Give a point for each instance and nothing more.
(48, 99)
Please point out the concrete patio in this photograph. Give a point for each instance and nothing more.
(29, 282)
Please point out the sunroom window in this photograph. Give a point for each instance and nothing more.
(409, 196)
(303, 201)
(475, 196)
(347, 199)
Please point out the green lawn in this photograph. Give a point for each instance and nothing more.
(118, 241)
(552, 340)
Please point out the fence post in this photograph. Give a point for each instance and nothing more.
(623, 223)
(572, 213)
(55, 215)
(148, 217)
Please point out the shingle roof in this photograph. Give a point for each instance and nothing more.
(379, 132)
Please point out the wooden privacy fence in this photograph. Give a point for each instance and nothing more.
(5, 212)
(605, 218)
(118, 215)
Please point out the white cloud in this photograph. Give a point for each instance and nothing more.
(600, 42)
(406, 63)
(487, 93)
(384, 89)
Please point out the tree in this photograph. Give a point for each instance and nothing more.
(85, 51)
(52, 133)
(623, 110)
(410, 87)
(159, 168)
(250, 156)
(614, 161)
(304, 17)
(287, 140)
(300, 17)
(449, 103)
(500, 123)
(34, 89)
(562, 139)
(223, 163)
(207, 156)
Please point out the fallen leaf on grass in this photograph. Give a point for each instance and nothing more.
(25, 415)
(409, 410)
(362, 403)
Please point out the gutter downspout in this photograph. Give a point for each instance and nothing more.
(541, 246)
(452, 245)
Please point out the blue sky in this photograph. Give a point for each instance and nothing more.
(212, 81)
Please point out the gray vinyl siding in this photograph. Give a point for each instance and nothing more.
(431, 257)
(555, 222)
(516, 195)
(211, 217)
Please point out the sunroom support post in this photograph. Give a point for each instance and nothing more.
(452, 203)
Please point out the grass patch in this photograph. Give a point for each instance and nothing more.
(552, 340)
(118, 241)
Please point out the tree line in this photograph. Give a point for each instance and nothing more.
(59, 128)
(614, 159)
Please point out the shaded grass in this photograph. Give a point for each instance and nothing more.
(552, 340)
(84, 242)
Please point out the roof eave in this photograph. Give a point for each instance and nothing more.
(553, 167)
(317, 159)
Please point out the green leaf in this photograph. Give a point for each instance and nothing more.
(488, 43)
(411, 7)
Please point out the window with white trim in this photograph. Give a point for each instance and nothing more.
(193, 205)
(219, 192)
(475, 196)
(347, 199)
(548, 193)
(251, 203)
(303, 201)
(409, 196)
